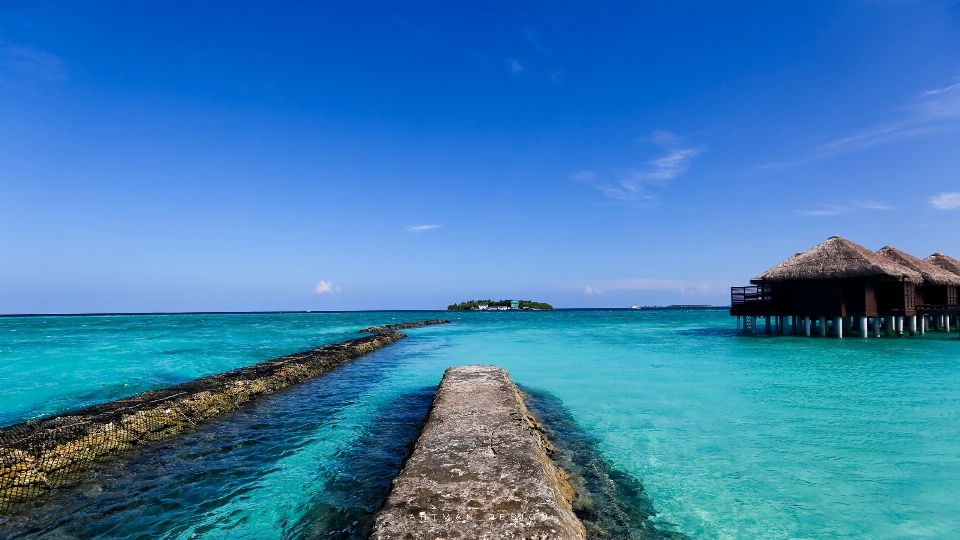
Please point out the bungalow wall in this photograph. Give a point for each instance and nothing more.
(827, 297)
(860, 297)
(937, 295)
(818, 297)
(896, 298)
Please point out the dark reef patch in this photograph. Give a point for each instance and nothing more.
(611, 503)
(709, 332)
(346, 507)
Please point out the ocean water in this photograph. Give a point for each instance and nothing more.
(697, 432)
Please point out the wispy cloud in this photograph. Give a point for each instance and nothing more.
(584, 175)
(691, 289)
(826, 210)
(872, 205)
(33, 62)
(837, 210)
(421, 228)
(946, 201)
(669, 166)
(633, 285)
(514, 66)
(531, 36)
(476, 54)
(325, 287)
(633, 184)
(557, 76)
(929, 112)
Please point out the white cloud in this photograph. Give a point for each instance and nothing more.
(421, 228)
(591, 290)
(324, 287)
(946, 201)
(557, 77)
(514, 66)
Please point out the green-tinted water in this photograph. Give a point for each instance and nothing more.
(731, 437)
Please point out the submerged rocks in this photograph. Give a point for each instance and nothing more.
(480, 469)
(38, 455)
(401, 326)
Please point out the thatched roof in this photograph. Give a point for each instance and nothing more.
(944, 261)
(932, 274)
(835, 258)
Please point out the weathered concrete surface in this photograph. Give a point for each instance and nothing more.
(41, 454)
(401, 326)
(479, 470)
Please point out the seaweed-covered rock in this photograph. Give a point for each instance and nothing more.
(38, 455)
(401, 326)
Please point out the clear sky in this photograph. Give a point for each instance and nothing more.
(207, 156)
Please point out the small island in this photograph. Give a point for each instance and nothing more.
(500, 305)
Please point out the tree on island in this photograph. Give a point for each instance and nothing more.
(475, 304)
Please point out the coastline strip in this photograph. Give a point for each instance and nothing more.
(401, 326)
(480, 469)
(39, 455)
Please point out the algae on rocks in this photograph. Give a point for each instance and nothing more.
(39, 455)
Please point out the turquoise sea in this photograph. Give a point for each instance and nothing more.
(729, 436)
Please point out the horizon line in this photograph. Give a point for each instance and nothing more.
(280, 312)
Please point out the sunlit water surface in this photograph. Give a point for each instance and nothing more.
(731, 437)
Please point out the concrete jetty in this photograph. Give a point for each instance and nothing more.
(480, 469)
(39, 455)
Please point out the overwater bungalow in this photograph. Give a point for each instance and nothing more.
(936, 297)
(835, 287)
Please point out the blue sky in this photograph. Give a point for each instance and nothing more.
(164, 156)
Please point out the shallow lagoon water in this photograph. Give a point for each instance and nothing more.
(731, 437)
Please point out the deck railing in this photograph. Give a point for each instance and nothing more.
(938, 308)
(751, 294)
(753, 299)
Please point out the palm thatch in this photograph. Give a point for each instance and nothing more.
(946, 262)
(932, 274)
(837, 258)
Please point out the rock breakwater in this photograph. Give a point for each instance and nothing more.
(401, 326)
(39, 455)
